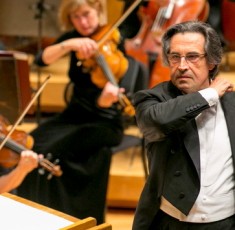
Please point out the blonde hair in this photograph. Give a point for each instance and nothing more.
(68, 6)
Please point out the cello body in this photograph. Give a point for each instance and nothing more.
(227, 29)
(227, 23)
(156, 18)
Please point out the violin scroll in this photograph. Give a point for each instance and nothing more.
(53, 168)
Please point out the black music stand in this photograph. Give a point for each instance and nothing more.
(20, 18)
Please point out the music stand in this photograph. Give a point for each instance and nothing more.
(19, 18)
(30, 18)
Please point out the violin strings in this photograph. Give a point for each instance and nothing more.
(108, 73)
(18, 148)
(156, 22)
(161, 16)
(101, 61)
(161, 20)
(11, 144)
(44, 162)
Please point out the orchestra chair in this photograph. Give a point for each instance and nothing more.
(136, 78)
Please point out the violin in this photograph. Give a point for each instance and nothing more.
(113, 56)
(18, 142)
(125, 104)
(109, 63)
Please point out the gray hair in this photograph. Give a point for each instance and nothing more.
(213, 47)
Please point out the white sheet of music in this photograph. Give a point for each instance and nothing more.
(17, 216)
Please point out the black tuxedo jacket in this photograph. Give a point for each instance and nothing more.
(167, 120)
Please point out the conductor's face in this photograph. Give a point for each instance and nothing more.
(187, 58)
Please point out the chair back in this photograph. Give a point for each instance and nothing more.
(136, 77)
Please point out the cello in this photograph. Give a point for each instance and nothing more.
(227, 27)
(156, 18)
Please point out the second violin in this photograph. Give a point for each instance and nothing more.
(18, 142)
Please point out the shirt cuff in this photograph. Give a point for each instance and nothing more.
(210, 95)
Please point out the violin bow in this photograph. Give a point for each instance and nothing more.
(119, 21)
(24, 112)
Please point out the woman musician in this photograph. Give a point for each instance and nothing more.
(81, 136)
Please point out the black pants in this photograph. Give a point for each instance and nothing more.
(166, 222)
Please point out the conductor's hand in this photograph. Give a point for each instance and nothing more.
(221, 85)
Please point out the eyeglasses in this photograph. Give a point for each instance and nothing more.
(191, 57)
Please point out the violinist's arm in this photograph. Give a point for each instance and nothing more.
(28, 161)
(86, 48)
(109, 95)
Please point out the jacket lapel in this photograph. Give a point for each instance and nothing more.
(228, 104)
(191, 142)
(191, 138)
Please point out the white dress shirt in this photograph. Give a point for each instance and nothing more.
(216, 199)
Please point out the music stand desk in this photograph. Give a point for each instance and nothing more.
(17, 213)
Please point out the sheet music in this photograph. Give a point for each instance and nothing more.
(17, 216)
